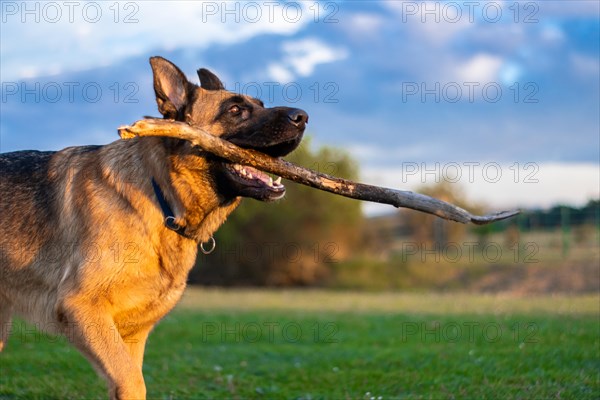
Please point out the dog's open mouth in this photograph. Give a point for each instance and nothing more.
(253, 183)
(247, 181)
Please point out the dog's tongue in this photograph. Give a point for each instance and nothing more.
(257, 174)
(253, 173)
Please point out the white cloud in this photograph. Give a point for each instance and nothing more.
(301, 58)
(280, 73)
(363, 25)
(481, 67)
(304, 55)
(33, 48)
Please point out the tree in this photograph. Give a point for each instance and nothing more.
(430, 230)
(290, 242)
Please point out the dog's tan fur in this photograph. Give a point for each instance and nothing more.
(85, 251)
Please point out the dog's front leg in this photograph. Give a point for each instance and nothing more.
(136, 344)
(91, 329)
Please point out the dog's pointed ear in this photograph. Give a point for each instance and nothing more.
(209, 81)
(170, 87)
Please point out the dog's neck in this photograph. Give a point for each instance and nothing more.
(190, 190)
(203, 209)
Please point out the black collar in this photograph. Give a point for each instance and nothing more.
(166, 210)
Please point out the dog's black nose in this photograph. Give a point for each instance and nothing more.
(298, 117)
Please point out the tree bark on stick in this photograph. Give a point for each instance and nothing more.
(304, 176)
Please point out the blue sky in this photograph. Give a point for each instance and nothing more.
(501, 97)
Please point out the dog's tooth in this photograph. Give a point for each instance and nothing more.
(278, 181)
(250, 175)
(270, 181)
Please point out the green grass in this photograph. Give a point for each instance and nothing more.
(320, 344)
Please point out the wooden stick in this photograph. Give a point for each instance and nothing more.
(304, 176)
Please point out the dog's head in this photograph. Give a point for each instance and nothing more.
(240, 119)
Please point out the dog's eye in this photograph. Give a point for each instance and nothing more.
(234, 109)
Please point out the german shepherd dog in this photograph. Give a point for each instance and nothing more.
(96, 242)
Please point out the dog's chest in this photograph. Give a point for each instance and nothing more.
(144, 310)
(145, 292)
(145, 306)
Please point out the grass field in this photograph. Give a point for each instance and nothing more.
(320, 344)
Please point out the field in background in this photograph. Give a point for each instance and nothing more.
(543, 262)
(324, 344)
